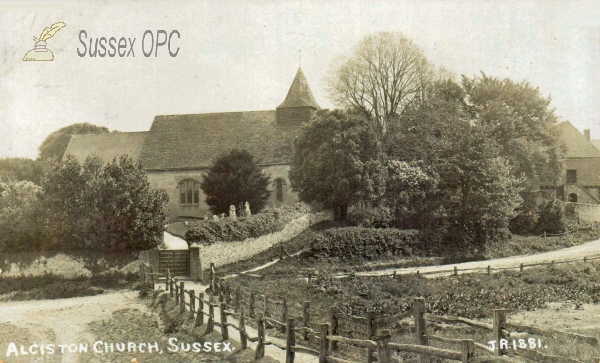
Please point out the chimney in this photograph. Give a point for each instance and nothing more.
(586, 133)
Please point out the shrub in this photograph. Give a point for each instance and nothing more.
(358, 242)
(552, 217)
(380, 217)
(254, 226)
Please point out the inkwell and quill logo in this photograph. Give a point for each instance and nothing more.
(40, 52)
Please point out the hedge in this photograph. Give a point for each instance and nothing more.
(359, 242)
(254, 226)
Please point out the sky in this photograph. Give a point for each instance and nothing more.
(243, 55)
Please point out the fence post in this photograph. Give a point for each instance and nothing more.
(520, 269)
(192, 300)
(211, 316)
(242, 320)
(260, 346)
(371, 332)
(237, 299)
(544, 234)
(305, 318)
(151, 277)
(467, 350)
(212, 276)
(251, 305)
(284, 312)
(499, 318)
(455, 271)
(489, 270)
(333, 321)
(281, 254)
(176, 292)
(290, 341)
(383, 351)
(182, 297)
(224, 329)
(420, 328)
(584, 259)
(200, 317)
(141, 273)
(266, 312)
(323, 346)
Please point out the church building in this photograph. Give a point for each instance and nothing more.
(178, 149)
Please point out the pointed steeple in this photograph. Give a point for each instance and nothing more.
(299, 105)
(300, 94)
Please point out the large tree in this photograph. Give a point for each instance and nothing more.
(18, 169)
(55, 145)
(102, 206)
(476, 192)
(520, 121)
(233, 179)
(386, 73)
(337, 161)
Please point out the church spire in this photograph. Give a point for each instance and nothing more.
(300, 94)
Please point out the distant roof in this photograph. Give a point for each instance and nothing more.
(194, 141)
(299, 94)
(107, 146)
(596, 143)
(578, 146)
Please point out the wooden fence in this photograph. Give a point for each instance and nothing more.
(374, 332)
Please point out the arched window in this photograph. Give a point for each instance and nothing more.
(573, 198)
(189, 192)
(279, 190)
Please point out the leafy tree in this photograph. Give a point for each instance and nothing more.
(386, 73)
(476, 195)
(337, 161)
(102, 206)
(19, 229)
(520, 121)
(18, 169)
(235, 178)
(55, 145)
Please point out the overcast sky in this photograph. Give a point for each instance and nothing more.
(243, 55)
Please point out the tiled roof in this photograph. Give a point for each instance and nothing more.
(194, 141)
(107, 146)
(299, 94)
(577, 145)
(596, 143)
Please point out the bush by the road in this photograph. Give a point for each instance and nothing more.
(359, 242)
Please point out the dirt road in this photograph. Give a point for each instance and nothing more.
(57, 322)
(589, 250)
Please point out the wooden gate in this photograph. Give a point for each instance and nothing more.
(177, 261)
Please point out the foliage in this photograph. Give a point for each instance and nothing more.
(256, 225)
(520, 121)
(371, 217)
(55, 145)
(469, 191)
(358, 242)
(18, 169)
(19, 210)
(98, 206)
(527, 218)
(336, 161)
(233, 179)
(552, 217)
(385, 74)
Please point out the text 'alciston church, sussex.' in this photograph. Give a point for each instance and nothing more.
(179, 149)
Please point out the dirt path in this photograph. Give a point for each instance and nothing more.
(589, 250)
(57, 322)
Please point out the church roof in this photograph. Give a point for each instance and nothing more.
(299, 94)
(107, 146)
(578, 146)
(194, 141)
